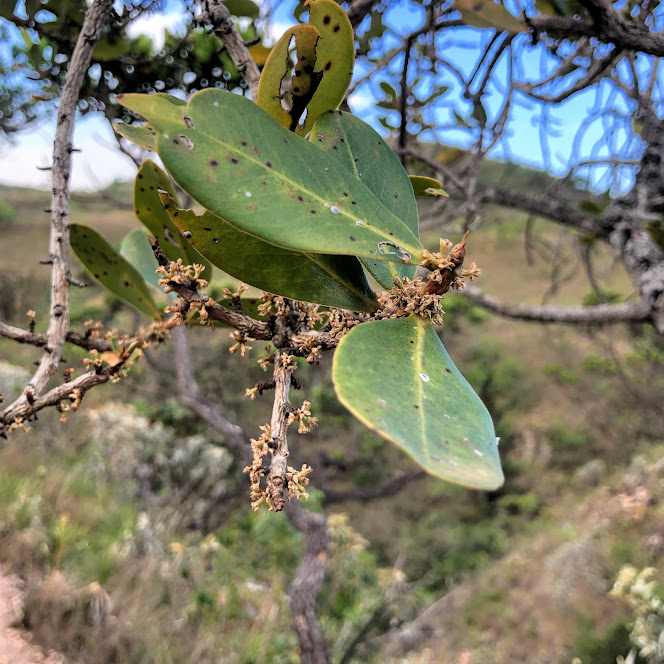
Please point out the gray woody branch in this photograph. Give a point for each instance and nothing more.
(600, 314)
(308, 580)
(216, 13)
(608, 25)
(95, 18)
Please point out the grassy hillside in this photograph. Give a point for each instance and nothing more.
(132, 523)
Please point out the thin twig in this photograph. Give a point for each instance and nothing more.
(603, 314)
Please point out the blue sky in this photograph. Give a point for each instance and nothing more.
(99, 161)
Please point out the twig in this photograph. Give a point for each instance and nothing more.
(40, 340)
(390, 488)
(603, 314)
(191, 397)
(276, 479)
(58, 327)
(216, 13)
(308, 581)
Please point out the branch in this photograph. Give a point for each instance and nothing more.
(216, 13)
(189, 293)
(622, 222)
(548, 207)
(358, 10)
(608, 26)
(308, 581)
(276, 479)
(310, 574)
(40, 340)
(58, 327)
(191, 397)
(390, 488)
(603, 314)
(19, 414)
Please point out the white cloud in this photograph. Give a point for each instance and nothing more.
(97, 165)
(154, 26)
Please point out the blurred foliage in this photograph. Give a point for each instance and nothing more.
(41, 37)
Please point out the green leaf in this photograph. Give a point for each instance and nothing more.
(111, 48)
(136, 249)
(243, 8)
(489, 14)
(145, 135)
(276, 68)
(396, 377)
(591, 206)
(335, 281)
(111, 270)
(150, 180)
(460, 120)
(242, 165)
(426, 187)
(388, 90)
(365, 154)
(335, 58)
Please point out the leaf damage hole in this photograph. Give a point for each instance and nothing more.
(398, 251)
(186, 141)
(189, 122)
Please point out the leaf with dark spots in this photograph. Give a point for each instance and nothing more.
(123, 280)
(335, 281)
(295, 168)
(147, 205)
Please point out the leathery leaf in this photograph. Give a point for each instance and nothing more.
(111, 270)
(136, 249)
(242, 165)
(396, 377)
(426, 187)
(335, 58)
(143, 135)
(150, 180)
(335, 281)
(366, 155)
(276, 68)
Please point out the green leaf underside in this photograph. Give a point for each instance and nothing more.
(111, 270)
(335, 281)
(396, 377)
(364, 153)
(136, 249)
(242, 165)
(150, 180)
(426, 187)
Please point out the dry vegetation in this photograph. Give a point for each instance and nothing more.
(132, 527)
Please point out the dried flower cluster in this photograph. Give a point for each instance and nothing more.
(408, 298)
(303, 418)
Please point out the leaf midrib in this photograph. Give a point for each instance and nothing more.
(419, 348)
(413, 251)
